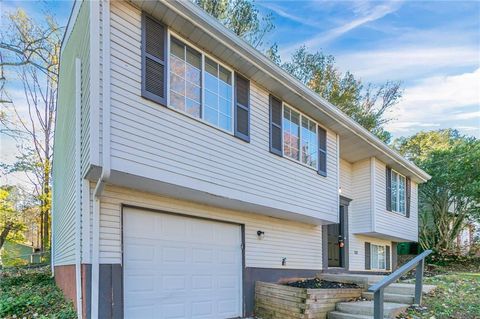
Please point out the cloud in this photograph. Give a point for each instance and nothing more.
(283, 13)
(366, 14)
(440, 101)
(400, 62)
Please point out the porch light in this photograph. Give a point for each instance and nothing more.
(260, 234)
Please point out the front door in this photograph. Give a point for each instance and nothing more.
(336, 243)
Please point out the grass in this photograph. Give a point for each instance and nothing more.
(32, 293)
(457, 296)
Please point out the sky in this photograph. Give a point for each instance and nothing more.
(432, 47)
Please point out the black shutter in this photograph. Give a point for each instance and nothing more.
(154, 56)
(388, 172)
(408, 196)
(367, 257)
(242, 108)
(322, 151)
(387, 257)
(275, 126)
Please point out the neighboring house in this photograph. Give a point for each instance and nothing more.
(466, 238)
(188, 165)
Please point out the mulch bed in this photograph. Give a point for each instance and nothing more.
(316, 283)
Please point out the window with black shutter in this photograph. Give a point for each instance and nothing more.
(242, 108)
(275, 126)
(322, 151)
(154, 66)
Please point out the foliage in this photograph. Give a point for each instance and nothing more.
(365, 103)
(452, 196)
(12, 217)
(29, 54)
(32, 293)
(456, 297)
(240, 16)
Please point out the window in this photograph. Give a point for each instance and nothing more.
(185, 78)
(378, 259)
(200, 86)
(300, 140)
(398, 192)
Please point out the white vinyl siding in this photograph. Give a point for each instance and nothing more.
(360, 210)
(64, 198)
(391, 223)
(346, 179)
(152, 141)
(356, 255)
(299, 243)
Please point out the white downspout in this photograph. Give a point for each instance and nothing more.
(78, 188)
(105, 175)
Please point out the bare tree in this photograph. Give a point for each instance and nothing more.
(29, 54)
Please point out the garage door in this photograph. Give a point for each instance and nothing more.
(180, 267)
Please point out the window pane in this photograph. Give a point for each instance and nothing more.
(193, 92)
(374, 256)
(225, 90)
(211, 67)
(177, 84)
(225, 122)
(177, 48)
(225, 107)
(193, 108)
(401, 194)
(193, 74)
(211, 116)
(211, 83)
(394, 191)
(381, 257)
(194, 58)
(177, 66)
(309, 142)
(177, 101)
(211, 100)
(225, 75)
(291, 133)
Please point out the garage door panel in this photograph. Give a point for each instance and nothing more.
(181, 267)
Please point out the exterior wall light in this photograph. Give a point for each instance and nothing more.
(260, 234)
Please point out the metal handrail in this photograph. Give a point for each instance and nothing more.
(378, 288)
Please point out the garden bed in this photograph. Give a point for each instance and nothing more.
(301, 299)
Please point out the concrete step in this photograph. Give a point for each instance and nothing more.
(406, 289)
(396, 298)
(391, 310)
(343, 315)
(363, 280)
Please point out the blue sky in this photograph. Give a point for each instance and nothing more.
(433, 47)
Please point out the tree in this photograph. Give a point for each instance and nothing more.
(240, 16)
(365, 103)
(29, 50)
(11, 221)
(452, 196)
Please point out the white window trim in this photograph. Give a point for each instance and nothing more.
(171, 33)
(397, 202)
(375, 267)
(299, 161)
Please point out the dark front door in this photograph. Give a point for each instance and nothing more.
(336, 245)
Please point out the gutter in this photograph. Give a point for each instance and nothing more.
(106, 169)
(201, 19)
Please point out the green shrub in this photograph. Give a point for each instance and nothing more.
(32, 293)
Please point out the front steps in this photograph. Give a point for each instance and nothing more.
(364, 310)
(397, 298)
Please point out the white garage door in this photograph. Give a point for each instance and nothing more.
(180, 267)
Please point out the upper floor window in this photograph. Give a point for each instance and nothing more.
(199, 86)
(398, 192)
(296, 136)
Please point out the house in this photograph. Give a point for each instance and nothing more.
(188, 166)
